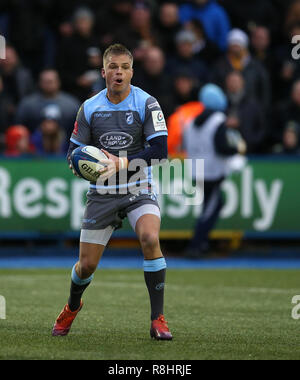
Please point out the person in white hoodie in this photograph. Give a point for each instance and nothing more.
(210, 139)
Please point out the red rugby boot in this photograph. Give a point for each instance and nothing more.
(159, 329)
(64, 321)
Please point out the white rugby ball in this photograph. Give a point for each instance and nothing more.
(85, 162)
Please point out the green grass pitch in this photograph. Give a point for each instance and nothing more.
(213, 314)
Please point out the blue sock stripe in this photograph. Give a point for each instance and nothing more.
(155, 265)
(77, 280)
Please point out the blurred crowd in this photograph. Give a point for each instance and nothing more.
(54, 55)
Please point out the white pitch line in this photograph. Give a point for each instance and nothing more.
(261, 290)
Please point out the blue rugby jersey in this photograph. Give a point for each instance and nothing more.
(126, 126)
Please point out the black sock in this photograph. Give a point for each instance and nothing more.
(75, 295)
(155, 282)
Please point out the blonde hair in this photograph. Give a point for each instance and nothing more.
(116, 49)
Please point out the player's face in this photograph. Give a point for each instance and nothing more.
(118, 73)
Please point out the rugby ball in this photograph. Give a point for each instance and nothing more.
(85, 162)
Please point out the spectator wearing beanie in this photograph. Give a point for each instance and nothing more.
(238, 58)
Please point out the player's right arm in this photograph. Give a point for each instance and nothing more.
(81, 134)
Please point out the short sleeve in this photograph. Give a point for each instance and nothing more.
(82, 132)
(154, 123)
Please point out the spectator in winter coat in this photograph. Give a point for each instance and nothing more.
(49, 99)
(238, 58)
(286, 113)
(213, 17)
(17, 80)
(184, 58)
(244, 113)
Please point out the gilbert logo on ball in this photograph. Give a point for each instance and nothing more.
(2, 47)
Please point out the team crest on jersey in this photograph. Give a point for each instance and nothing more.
(129, 118)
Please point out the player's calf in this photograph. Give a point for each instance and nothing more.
(66, 317)
(155, 273)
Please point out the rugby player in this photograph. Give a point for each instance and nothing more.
(128, 125)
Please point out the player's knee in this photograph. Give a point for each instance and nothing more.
(86, 268)
(149, 240)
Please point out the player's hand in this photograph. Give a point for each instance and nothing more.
(242, 147)
(71, 167)
(113, 165)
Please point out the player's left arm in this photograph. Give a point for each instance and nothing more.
(155, 133)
